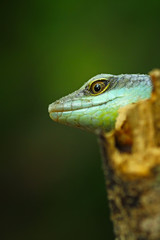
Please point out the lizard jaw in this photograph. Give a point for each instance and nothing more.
(73, 105)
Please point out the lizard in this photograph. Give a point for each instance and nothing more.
(94, 107)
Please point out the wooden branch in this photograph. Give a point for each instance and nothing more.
(132, 168)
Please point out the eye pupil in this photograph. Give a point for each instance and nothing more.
(97, 87)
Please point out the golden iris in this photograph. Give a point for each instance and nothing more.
(98, 86)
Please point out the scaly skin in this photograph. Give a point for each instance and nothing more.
(92, 110)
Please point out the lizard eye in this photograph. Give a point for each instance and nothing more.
(99, 86)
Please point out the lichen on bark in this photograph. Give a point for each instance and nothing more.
(131, 156)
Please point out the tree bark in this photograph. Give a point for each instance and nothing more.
(131, 156)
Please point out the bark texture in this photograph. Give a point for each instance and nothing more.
(132, 168)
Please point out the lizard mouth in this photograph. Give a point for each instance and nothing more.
(53, 108)
(75, 105)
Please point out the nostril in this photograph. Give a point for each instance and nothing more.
(49, 108)
(52, 107)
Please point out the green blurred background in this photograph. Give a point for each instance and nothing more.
(52, 183)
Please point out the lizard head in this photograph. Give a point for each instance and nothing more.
(95, 105)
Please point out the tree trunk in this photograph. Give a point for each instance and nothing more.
(131, 156)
